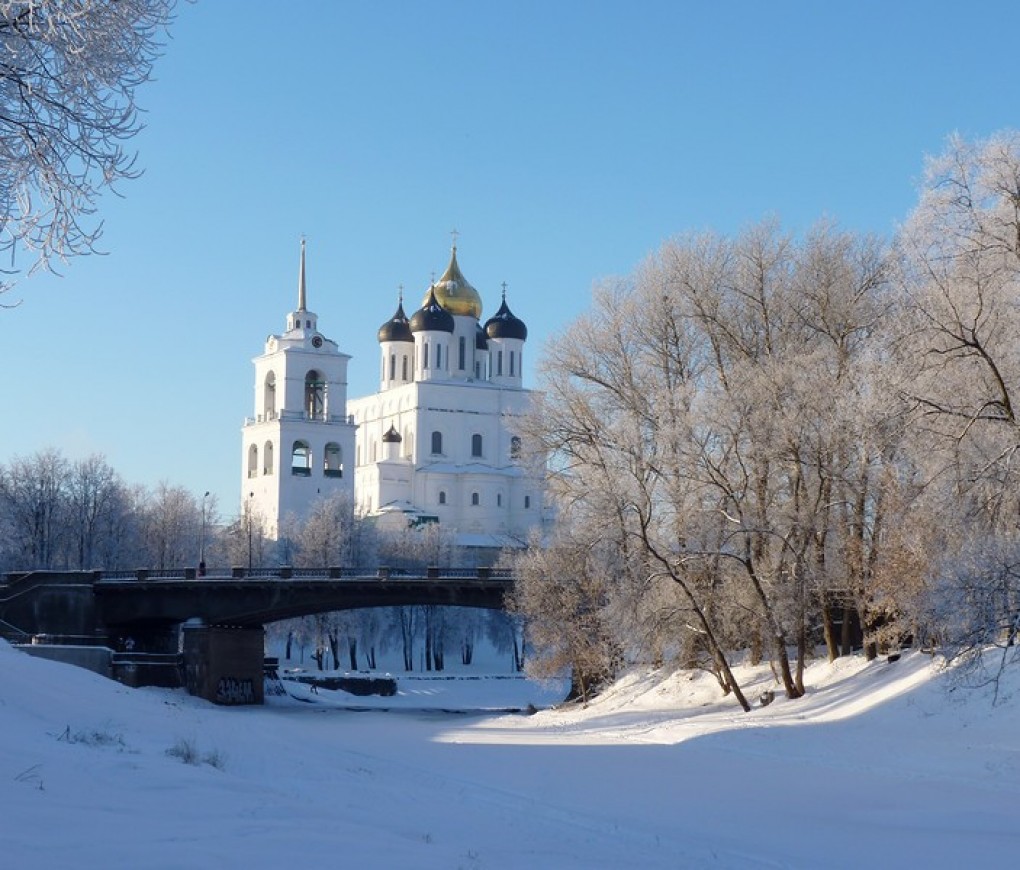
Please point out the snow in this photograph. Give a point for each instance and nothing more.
(879, 765)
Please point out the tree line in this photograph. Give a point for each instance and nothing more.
(764, 443)
(63, 514)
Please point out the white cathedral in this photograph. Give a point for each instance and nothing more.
(437, 443)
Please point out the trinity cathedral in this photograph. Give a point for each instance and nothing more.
(436, 443)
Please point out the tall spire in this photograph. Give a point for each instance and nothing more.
(301, 279)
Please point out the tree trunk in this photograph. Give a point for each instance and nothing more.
(352, 652)
(829, 631)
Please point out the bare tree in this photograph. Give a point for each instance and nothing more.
(69, 72)
(94, 496)
(33, 500)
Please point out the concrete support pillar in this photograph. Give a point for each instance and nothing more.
(224, 665)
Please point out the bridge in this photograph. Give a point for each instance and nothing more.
(207, 633)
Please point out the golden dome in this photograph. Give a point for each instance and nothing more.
(454, 293)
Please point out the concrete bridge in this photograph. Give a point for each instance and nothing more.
(207, 633)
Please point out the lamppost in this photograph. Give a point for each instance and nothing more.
(247, 513)
(201, 540)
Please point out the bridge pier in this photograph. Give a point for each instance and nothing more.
(224, 664)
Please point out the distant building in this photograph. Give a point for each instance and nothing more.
(437, 443)
(299, 444)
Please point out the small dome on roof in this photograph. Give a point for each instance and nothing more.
(396, 328)
(503, 324)
(453, 292)
(392, 436)
(431, 317)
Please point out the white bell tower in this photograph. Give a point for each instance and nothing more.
(299, 445)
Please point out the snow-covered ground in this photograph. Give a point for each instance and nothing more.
(877, 767)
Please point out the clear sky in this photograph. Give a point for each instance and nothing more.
(565, 141)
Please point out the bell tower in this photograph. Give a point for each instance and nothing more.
(299, 445)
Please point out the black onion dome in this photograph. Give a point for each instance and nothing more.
(481, 340)
(397, 328)
(431, 317)
(392, 436)
(503, 324)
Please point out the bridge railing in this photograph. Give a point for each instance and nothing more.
(286, 572)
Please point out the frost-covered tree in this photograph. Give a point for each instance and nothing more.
(34, 506)
(712, 415)
(69, 73)
(960, 268)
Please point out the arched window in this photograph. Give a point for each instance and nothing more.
(527, 502)
(315, 396)
(499, 499)
(515, 447)
(511, 363)
(462, 353)
(439, 356)
(476, 445)
(424, 355)
(301, 459)
(333, 461)
(437, 443)
(403, 367)
(393, 366)
(442, 497)
(408, 443)
(474, 498)
(499, 363)
(269, 396)
(267, 458)
(253, 461)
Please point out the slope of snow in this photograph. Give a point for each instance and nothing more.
(878, 765)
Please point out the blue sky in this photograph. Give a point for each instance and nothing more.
(564, 140)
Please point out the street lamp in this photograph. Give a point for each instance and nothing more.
(247, 511)
(201, 540)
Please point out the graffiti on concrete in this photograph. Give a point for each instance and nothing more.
(233, 691)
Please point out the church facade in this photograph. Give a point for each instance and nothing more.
(436, 443)
(298, 445)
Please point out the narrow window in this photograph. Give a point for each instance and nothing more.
(269, 396)
(439, 356)
(267, 458)
(424, 356)
(462, 353)
(499, 499)
(442, 497)
(253, 461)
(499, 363)
(403, 368)
(515, 447)
(437, 442)
(527, 502)
(333, 465)
(315, 396)
(476, 445)
(301, 459)
(393, 366)
(511, 363)
(474, 499)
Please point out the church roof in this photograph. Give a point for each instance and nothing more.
(391, 436)
(503, 324)
(454, 293)
(397, 328)
(431, 317)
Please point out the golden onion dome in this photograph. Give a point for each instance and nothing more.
(453, 292)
